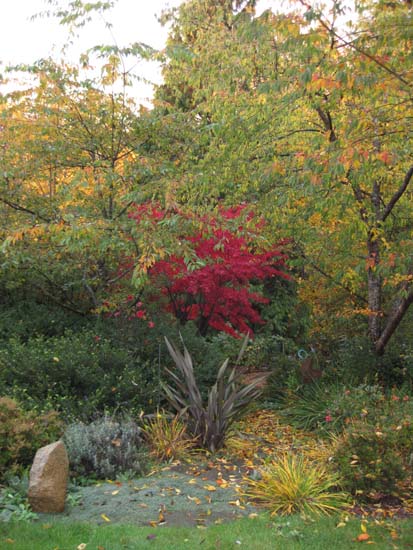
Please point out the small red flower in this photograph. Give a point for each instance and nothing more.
(328, 418)
(151, 324)
(97, 338)
(140, 314)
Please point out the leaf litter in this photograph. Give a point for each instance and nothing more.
(206, 490)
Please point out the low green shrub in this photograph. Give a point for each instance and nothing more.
(284, 378)
(375, 453)
(353, 361)
(102, 370)
(24, 319)
(331, 406)
(81, 375)
(273, 354)
(277, 356)
(104, 448)
(264, 351)
(369, 459)
(22, 433)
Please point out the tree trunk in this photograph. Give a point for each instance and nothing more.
(374, 281)
(374, 288)
(393, 322)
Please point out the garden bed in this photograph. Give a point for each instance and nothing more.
(177, 495)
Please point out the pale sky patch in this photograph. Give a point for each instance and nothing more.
(25, 41)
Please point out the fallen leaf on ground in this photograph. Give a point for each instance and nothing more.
(161, 517)
(363, 537)
(222, 483)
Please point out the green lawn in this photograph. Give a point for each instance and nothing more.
(259, 533)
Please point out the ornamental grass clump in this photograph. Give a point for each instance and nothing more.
(227, 400)
(292, 484)
(167, 438)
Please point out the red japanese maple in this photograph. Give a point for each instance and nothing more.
(218, 294)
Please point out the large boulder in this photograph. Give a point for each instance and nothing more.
(48, 479)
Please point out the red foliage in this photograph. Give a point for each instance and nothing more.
(145, 210)
(218, 293)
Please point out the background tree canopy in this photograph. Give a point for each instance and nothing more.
(304, 115)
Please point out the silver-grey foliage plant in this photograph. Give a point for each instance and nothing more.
(104, 448)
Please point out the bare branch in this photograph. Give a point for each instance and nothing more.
(393, 322)
(399, 193)
(330, 277)
(352, 45)
(328, 123)
(21, 208)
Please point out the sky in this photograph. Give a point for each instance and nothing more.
(25, 41)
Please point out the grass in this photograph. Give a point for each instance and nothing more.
(259, 533)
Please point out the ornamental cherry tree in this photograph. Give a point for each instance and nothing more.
(217, 288)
